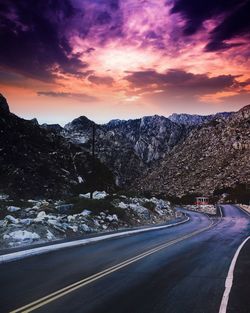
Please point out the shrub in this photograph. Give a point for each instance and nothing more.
(149, 205)
(95, 206)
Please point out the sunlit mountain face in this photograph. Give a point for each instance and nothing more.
(124, 59)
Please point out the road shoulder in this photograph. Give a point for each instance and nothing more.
(239, 300)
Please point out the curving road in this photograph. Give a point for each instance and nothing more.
(175, 270)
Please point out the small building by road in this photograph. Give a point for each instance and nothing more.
(201, 200)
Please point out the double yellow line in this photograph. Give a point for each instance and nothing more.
(81, 283)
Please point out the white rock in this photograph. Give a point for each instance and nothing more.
(80, 179)
(11, 219)
(49, 235)
(84, 195)
(138, 209)
(52, 217)
(85, 213)
(13, 208)
(70, 218)
(53, 222)
(123, 205)
(3, 223)
(22, 235)
(112, 218)
(28, 209)
(36, 207)
(32, 201)
(100, 194)
(96, 223)
(59, 202)
(3, 196)
(26, 221)
(85, 228)
(40, 217)
(96, 195)
(74, 228)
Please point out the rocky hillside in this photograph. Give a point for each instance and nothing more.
(213, 156)
(37, 162)
(131, 147)
(196, 120)
(128, 147)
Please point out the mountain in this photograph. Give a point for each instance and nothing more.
(175, 156)
(79, 130)
(128, 147)
(195, 120)
(36, 162)
(213, 157)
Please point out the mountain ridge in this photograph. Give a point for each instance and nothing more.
(135, 151)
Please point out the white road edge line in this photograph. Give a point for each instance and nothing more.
(243, 210)
(221, 215)
(229, 279)
(40, 250)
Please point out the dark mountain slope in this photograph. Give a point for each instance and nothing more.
(36, 162)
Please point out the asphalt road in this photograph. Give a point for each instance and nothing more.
(175, 270)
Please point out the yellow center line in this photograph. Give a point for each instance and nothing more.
(70, 288)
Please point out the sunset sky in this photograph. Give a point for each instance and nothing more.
(108, 59)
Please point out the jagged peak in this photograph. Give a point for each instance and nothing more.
(154, 117)
(81, 122)
(34, 121)
(82, 119)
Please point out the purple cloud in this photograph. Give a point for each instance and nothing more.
(33, 38)
(177, 82)
(231, 16)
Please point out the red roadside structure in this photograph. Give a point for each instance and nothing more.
(201, 200)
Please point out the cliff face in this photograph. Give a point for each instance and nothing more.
(128, 147)
(213, 156)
